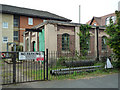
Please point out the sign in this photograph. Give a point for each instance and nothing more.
(38, 56)
(108, 64)
(3, 55)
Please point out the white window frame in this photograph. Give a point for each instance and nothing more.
(5, 24)
(107, 21)
(15, 36)
(30, 21)
(5, 40)
(113, 18)
(94, 24)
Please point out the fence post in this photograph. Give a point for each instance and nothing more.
(14, 67)
(44, 65)
(47, 64)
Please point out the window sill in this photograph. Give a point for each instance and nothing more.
(104, 51)
(30, 25)
(89, 51)
(65, 51)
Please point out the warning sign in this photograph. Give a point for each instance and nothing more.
(38, 56)
(3, 55)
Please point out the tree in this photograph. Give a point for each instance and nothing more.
(113, 30)
(84, 39)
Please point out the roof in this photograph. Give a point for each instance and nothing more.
(97, 19)
(31, 12)
(88, 22)
(62, 23)
(56, 22)
(100, 20)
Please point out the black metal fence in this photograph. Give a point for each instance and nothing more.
(17, 71)
(56, 65)
(62, 65)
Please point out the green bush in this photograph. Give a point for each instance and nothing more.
(116, 64)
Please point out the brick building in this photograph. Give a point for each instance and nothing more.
(103, 20)
(62, 37)
(14, 21)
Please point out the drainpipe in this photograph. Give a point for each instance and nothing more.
(97, 28)
(24, 41)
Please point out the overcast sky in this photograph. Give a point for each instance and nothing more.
(69, 8)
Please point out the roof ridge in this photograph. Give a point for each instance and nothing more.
(22, 7)
(32, 12)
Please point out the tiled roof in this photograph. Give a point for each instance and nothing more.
(100, 20)
(31, 12)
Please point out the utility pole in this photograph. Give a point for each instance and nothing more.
(119, 6)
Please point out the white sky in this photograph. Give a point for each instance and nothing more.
(69, 8)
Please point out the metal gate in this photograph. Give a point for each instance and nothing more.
(15, 70)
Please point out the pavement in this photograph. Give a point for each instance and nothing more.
(105, 81)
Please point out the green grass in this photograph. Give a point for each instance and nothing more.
(74, 75)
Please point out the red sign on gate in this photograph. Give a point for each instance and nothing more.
(39, 57)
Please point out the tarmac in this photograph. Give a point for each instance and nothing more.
(104, 81)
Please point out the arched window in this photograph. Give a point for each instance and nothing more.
(27, 44)
(34, 44)
(65, 41)
(107, 21)
(104, 45)
(88, 44)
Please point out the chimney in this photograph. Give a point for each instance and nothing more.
(119, 6)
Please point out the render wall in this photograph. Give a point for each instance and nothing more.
(50, 37)
(7, 32)
(0, 30)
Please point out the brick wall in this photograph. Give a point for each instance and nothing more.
(24, 24)
(71, 38)
(95, 22)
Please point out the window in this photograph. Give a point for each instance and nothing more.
(5, 39)
(104, 46)
(30, 21)
(5, 25)
(65, 42)
(44, 20)
(94, 24)
(107, 21)
(15, 36)
(113, 18)
(16, 22)
(88, 44)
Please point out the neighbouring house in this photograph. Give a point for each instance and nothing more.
(62, 37)
(14, 20)
(103, 20)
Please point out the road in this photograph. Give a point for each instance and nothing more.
(105, 81)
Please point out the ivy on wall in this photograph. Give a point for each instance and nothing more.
(84, 39)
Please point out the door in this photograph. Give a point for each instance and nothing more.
(42, 41)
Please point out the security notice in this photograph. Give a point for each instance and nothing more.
(31, 55)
